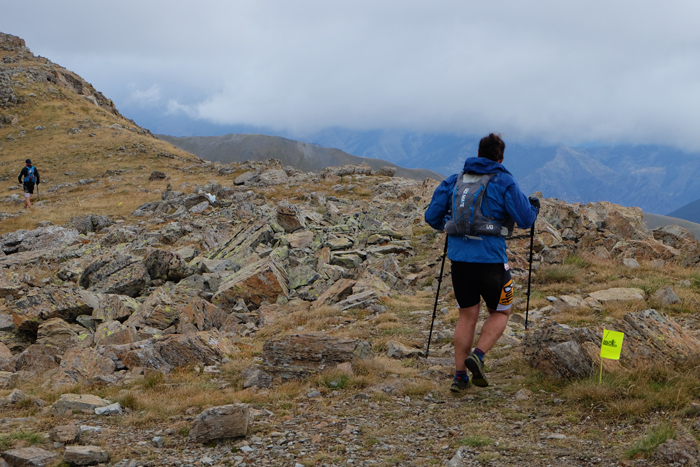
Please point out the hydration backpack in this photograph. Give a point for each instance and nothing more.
(29, 178)
(470, 219)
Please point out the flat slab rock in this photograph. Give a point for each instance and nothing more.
(618, 294)
(85, 455)
(29, 457)
(299, 354)
(223, 422)
(78, 403)
(650, 337)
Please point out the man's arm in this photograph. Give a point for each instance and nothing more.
(21, 173)
(440, 204)
(36, 174)
(519, 207)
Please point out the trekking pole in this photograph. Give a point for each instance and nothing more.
(442, 268)
(529, 274)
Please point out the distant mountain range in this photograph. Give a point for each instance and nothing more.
(304, 156)
(657, 179)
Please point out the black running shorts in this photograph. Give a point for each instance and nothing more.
(492, 281)
(28, 187)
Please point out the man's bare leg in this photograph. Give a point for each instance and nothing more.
(464, 334)
(27, 202)
(493, 329)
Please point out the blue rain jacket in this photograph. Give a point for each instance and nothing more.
(503, 197)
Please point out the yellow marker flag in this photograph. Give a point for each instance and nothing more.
(120, 203)
(612, 344)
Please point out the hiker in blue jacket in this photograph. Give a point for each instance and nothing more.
(479, 261)
(28, 177)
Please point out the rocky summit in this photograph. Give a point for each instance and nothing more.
(256, 314)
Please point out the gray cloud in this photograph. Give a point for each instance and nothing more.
(549, 70)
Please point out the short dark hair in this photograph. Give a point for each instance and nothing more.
(492, 147)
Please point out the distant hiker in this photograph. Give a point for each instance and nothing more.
(31, 178)
(477, 208)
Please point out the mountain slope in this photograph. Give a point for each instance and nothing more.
(89, 156)
(689, 212)
(303, 156)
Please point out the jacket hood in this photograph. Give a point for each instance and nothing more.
(482, 165)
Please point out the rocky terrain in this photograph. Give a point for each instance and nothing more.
(309, 315)
(188, 313)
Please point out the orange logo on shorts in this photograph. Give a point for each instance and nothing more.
(507, 294)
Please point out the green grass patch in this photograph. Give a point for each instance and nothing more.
(29, 437)
(475, 441)
(576, 261)
(558, 273)
(646, 446)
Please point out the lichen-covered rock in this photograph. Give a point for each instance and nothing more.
(172, 351)
(81, 366)
(37, 359)
(223, 422)
(255, 283)
(123, 275)
(289, 217)
(10, 283)
(42, 238)
(115, 333)
(57, 333)
(109, 307)
(166, 265)
(88, 223)
(8, 362)
(46, 303)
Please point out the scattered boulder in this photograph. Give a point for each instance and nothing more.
(666, 296)
(223, 422)
(29, 457)
(156, 175)
(255, 376)
(65, 434)
(85, 455)
(399, 350)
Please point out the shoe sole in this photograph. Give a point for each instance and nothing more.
(478, 377)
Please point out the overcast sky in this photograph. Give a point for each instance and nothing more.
(553, 70)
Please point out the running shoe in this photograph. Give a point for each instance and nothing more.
(476, 367)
